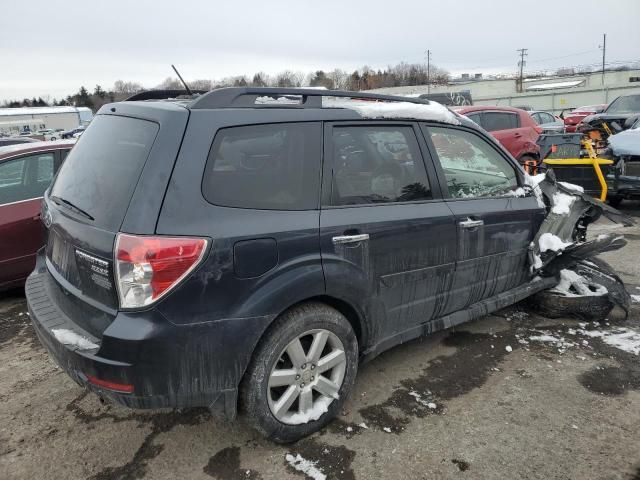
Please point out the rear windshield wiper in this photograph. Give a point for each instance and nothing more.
(71, 206)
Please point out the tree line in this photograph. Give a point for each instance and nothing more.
(365, 78)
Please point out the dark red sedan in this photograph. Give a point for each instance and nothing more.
(512, 127)
(26, 170)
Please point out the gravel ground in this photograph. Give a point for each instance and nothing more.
(455, 405)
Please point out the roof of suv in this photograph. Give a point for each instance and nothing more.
(366, 105)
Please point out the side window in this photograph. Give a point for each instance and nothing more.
(472, 167)
(547, 118)
(493, 121)
(377, 164)
(25, 178)
(536, 118)
(476, 117)
(273, 166)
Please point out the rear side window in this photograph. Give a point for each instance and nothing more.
(377, 164)
(272, 166)
(25, 178)
(493, 121)
(101, 171)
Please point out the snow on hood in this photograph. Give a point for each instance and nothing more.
(625, 143)
(367, 109)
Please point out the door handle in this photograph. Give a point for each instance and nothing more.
(469, 223)
(342, 239)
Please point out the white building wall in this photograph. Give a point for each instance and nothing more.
(503, 92)
(13, 120)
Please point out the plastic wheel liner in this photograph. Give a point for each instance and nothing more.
(561, 242)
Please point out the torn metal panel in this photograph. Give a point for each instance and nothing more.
(561, 240)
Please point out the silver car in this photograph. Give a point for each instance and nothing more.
(547, 121)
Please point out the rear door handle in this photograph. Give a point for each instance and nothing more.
(342, 239)
(468, 223)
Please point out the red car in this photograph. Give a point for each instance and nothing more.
(26, 170)
(512, 127)
(574, 117)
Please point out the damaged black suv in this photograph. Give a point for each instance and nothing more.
(248, 248)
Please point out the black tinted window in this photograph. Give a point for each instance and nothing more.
(101, 171)
(26, 177)
(377, 165)
(274, 166)
(629, 104)
(492, 121)
(476, 117)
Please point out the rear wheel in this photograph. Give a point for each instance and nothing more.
(301, 373)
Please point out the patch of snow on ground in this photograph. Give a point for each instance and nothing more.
(625, 339)
(572, 186)
(386, 429)
(546, 337)
(574, 285)
(562, 203)
(71, 338)
(635, 298)
(508, 348)
(305, 466)
(549, 241)
(433, 111)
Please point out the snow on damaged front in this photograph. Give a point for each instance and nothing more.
(561, 249)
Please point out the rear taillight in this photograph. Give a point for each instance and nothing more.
(539, 130)
(149, 267)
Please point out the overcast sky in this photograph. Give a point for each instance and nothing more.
(51, 48)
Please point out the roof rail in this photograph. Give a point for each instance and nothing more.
(163, 94)
(245, 97)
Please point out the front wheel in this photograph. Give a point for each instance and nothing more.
(301, 373)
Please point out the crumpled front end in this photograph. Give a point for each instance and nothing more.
(561, 243)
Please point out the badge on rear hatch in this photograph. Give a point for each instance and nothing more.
(94, 269)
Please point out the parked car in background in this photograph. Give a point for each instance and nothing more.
(624, 178)
(50, 134)
(72, 132)
(514, 128)
(6, 141)
(574, 117)
(620, 115)
(547, 121)
(26, 171)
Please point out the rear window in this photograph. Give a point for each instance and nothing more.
(272, 166)
(493, 121)
(101, 171)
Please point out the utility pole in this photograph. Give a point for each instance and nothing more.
(521, 63)
(604, 51)
(428, 54)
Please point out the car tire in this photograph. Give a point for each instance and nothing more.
(53, 139)
(591, 308)
(265, 405)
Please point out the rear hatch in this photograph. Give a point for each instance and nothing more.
(90, 199)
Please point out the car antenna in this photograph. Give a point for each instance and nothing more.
(186, 87)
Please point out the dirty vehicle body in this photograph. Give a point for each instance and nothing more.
(26, 170)
(514, 128)
(624, 177)
(267, 240)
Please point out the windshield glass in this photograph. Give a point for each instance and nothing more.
(629, 104)
(100, 173)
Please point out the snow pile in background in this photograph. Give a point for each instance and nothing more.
(71, 338)
(305, 466)
(549, 241)
(623, 338)
(574, 285)
(572, 186)
(562, 203)
(635, 298)
(372, 109)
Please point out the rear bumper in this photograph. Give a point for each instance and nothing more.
(166, 365)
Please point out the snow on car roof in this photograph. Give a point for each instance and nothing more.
(372, 109)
